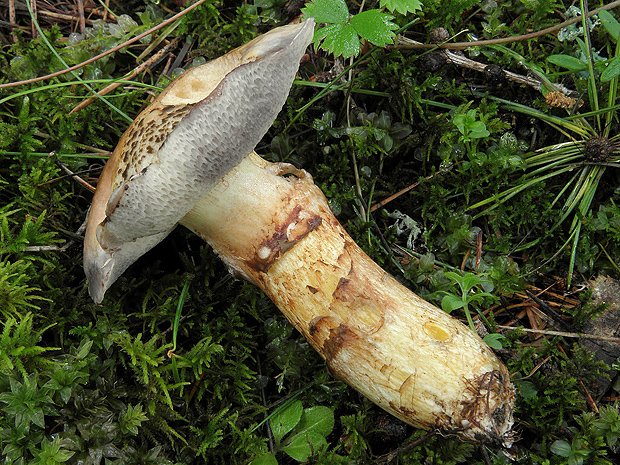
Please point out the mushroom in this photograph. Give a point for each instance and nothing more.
(188, 158)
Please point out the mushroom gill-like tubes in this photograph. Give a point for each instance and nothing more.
(179, 147)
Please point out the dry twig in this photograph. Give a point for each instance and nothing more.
(563, 334)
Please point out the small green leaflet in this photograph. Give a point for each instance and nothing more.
(302, 446)
(494, 340)
(265, 459)
(401, 6)
(610, 23)
(568, 62)
(282, 421)
(612, 70)
(341, 35)
(452, 302)
(308, 436)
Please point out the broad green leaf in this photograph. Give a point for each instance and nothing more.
(327, 11)
(317, 419)
(610, 23)
(561, 448)
(401, 6)
(568, 62)
(301, 446)
(266, 459)
(340, 39)
(494, 340)
(36, 416)
(612, 70)
(526, 389)
(285, 420)
(427, 262)
(451, 302)
(374, 26)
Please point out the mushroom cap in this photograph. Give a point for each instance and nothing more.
(181, 145)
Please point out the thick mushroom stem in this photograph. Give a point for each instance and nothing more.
(271, 225)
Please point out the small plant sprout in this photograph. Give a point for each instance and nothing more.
(188, 159)
(298, 432)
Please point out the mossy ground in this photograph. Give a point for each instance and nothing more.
(130, 382)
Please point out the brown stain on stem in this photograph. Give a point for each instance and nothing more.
(340, 337)
(298, 224)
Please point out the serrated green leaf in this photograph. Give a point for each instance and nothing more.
(612, 70)
(610, 23)
(568, 62)
(319, 419)
(401, 6)
(285, 420)
(327, 11)
(340, 39)
(374, 26)
(301, 446)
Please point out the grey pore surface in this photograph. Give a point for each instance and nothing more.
(205, 145)
(212, 139)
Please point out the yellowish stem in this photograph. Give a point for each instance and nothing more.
(272, 226)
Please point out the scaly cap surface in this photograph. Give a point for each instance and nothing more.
(182, 144)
